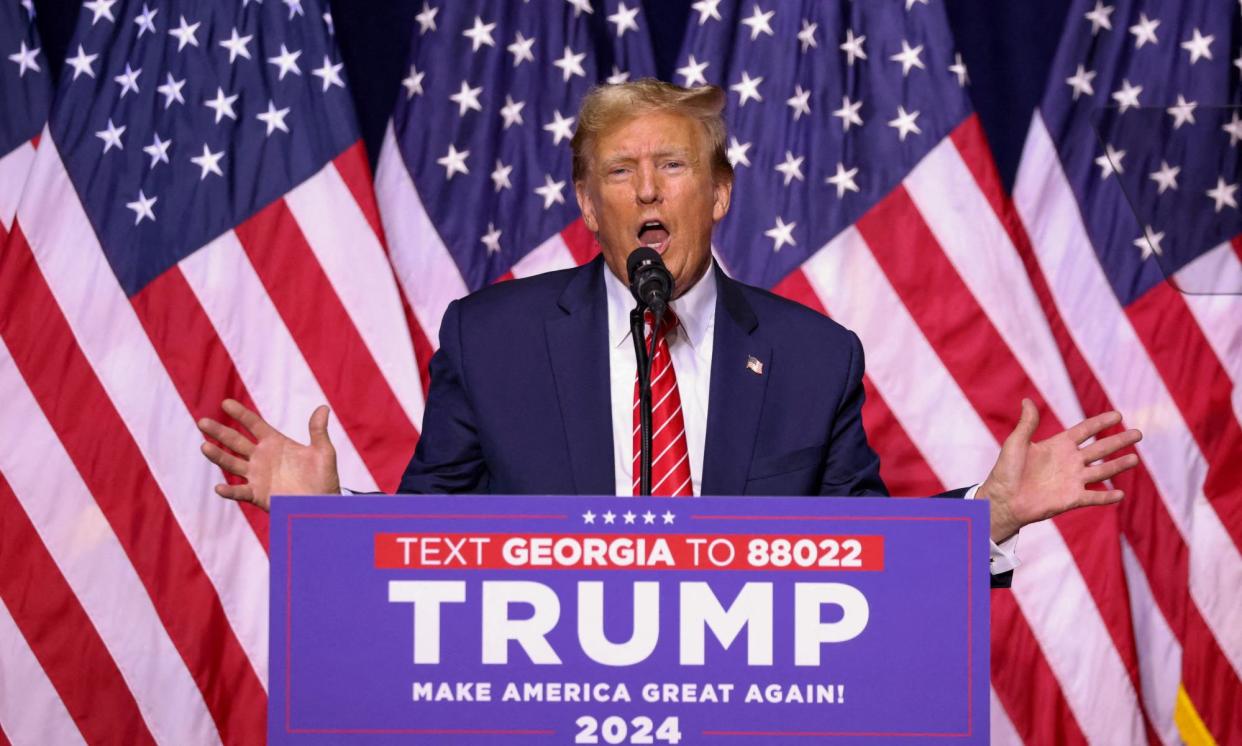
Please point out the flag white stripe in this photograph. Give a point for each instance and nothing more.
(14, 167)
(550, 255)
(1159, 652)
(355, 263)
(120, 354)
(266, 356)
(93, 562)
(979, 247)
(1212, 283)
(1002, 732)
(31, 711)
(1117, 358)
(425, 270)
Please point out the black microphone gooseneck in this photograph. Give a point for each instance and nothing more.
(651, 285)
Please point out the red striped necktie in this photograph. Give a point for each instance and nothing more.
(670, 460)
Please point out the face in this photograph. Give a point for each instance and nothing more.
(649, 182)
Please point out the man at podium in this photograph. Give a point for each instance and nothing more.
(533, 387)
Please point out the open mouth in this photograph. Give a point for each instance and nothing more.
(654, 235)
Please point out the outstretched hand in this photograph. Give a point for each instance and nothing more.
(269, 461)
(1035, 481)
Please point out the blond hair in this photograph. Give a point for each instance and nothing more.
(606, 106)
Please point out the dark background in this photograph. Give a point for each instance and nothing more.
(1007, 45)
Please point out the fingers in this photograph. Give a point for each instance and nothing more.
(1028, 422)
(1099, 497)
(231, 439)
(318, 426)
(1092, 426)
(1105, 447)
(225, 460)
(238, 492)
(247, 417)
(1110, 469)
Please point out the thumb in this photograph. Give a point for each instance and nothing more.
(1028, 422)
(318, 426)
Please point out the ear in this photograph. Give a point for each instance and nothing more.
(723, 193)
(586, 206)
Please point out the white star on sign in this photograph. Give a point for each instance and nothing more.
(237, 46)
(146, 20)
(1080, 81)
(799, 102)
(958, 68)
(1234, 129)
(708, 9)
(491, 239)
(171, 90)
(737, 152)
(1149, 242)
(222, 105)
(551, 191)
(625, 19)
(480, 34)
(521, 49)
(142, 207)
(781, 234)
(295, 8)
(330, 74)
(454, 162)
(571, 64)
(1099, 17)
(128, 80)
(843, 180)
(909, 58)
(853, 47)
(848, 113)
(158, 150)
(668, 517)
(1144, 31)
(1199, 46)
(905, 123)
(274, 118)
(806, 37)
(1110, 162)
(1182, 112)
(467, 98)
(500, 176)
(580, 6)
(413, 83)
(649, 517)
(560, 127)
(82, 63)
(791, 167)
(1166, 177)
(618, 76)
(101, 9)
(629, 516)
(426, 19)
(111, 136)
(25, 59)
(287, 62)
(1127, 97)
(759, 22)
(588, 517)
(512, 111)
(747, 88)
(610, 517)
(692, 73)
(1223, 194)
(209, 162)
(185, 33)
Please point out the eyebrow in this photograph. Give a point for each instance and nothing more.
(683, 153)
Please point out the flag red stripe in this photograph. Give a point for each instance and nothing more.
(1202, 390)
(356, 173)
(580, 240)
(902, 466)
(356, 388)
(196, 360)
(112, 466)
(4, 740)
(60, 633)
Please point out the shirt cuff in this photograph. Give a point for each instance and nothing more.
(1002, 557)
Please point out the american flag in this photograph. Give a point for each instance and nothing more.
(474, 175)
(25, 95)
(199, 222)
(1127, 189)
(866, 190)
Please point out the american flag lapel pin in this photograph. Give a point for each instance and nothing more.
(754, 365)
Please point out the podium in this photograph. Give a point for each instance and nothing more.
(614, 620)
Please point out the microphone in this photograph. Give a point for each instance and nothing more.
(650, 281)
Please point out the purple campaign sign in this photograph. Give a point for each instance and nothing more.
(563, 620)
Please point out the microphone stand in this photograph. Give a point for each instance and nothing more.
(643, 360)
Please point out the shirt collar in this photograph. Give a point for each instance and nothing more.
(695, 309)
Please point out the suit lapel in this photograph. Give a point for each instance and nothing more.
(578, 348)
(737, 389)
